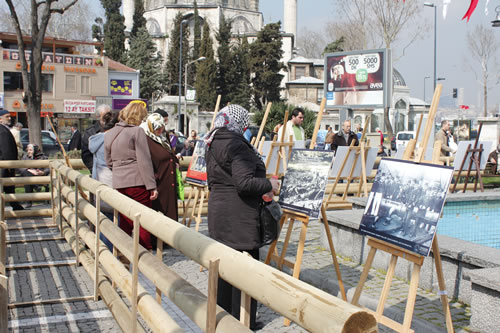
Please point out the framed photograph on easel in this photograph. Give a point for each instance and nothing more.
(305, 181)
(197, 171)
(405, 204)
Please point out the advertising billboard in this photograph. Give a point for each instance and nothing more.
(357, 79)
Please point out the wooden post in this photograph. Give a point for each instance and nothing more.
(442, 285)
(263, 124)
(159, 255)
(317, 124)
(213, 277)
(77, 224)
(245, 305)
(135, 270)
(52, 203)
(97, 243)
(115, 251)
(216, 110)
(59, 199)
(4, 292)
(2, 202)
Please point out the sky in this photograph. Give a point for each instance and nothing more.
(418, 62)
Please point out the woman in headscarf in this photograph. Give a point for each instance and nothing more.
(128, 157)
(237, 180)
(33, 153)
(164, 164)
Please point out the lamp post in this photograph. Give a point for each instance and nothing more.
(185, 87)
(428, 4)
(180, 74)
(425, 78)
(496, 22)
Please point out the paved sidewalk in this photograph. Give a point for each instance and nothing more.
(89, 316)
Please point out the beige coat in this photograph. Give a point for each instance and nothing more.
(127, 155)
(445, 149)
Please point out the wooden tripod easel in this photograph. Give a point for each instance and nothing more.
(291, 216)
(359, 151)
(417, 260)
(196, 199)
(475, 159)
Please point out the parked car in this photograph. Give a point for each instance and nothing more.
(49, 143)
(403, 137)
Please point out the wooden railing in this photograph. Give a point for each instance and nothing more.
(306, 305)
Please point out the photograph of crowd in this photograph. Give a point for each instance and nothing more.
(303, 187)
(197, 171)
(405, 204)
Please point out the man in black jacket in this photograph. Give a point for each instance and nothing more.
(344, 137)
(87, 157)
(8, 151)
(76, 138)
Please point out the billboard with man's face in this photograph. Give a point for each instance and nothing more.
(357, 79)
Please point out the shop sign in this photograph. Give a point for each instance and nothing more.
(79, 106)
(66, 59)
(121, 87)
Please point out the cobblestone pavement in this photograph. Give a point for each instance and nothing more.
(89, 316)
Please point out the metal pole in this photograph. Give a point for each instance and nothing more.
(185, 97)
(435, 48)
(179, 106)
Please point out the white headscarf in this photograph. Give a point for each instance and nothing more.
(153, 123)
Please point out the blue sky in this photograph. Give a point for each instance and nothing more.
(452, 46)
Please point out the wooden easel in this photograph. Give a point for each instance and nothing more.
(283, 157)
(255, 140)
(280, 260)
(195, 202)
(291, 216)
(417, 260)
(359, 151)
(475, 159)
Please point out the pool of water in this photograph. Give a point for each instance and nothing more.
(473, 221)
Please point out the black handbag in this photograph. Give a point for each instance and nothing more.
(269, 217)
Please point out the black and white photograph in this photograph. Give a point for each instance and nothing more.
(197, 171)
(405, 204)
(305, 181)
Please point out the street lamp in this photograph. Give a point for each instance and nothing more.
(425, 78)
(185, 88)
(496, 22)
(180, 74)
(428, 4)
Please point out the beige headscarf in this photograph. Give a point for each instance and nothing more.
(153, 123)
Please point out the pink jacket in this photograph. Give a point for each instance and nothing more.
(127, 155)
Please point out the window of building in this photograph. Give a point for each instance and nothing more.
(320, 95)
(85, 85)
(300, 71)
(70, 83)
(13, 81)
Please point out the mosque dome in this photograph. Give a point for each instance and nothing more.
(397, 78)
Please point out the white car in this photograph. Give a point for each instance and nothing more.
(403, 137)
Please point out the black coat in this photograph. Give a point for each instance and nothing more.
(235, 195)
(8, 150)
(339, 140)
(76, 141)
(87, 156)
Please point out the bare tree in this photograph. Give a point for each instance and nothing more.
(379, 23)
(483, 47)
(310, 43)
(40, 14)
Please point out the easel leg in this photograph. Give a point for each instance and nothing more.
(364, 275)
(285, 244)
(272, 248)
(442, 285)
(186, 207)
(412, 296)
(193, 210)
(200, 208)
(332, 251)
(387, 286)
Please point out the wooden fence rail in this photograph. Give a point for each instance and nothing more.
(308, 306)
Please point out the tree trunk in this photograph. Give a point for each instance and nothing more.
(388, 125)
(485, 95)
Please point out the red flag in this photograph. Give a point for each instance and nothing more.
(464, 107)
(472, 7)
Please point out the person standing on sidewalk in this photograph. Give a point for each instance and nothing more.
(87, 156)
(8, 152)
(329, 138)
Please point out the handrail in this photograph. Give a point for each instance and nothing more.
(16, 164)
(4, 294)
(309, 307)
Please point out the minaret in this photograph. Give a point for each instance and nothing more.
(290, 17)
(128, 13)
